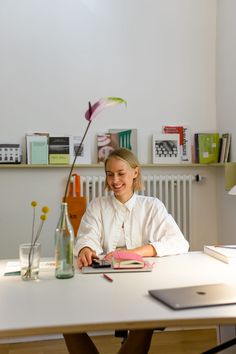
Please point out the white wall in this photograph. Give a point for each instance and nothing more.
(226, 108)
(56, 55)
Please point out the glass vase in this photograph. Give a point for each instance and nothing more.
(29, 255)
(64, 241)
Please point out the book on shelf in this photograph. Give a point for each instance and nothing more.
(37, 148)
(127, 260)
(59, 150)
(225, 142)
(227, 149)
(207, 147)
(115, 138)
(127, 138)
(106, 143)
(184, 140)
(166, 148)
(84, 156)
(225, 253)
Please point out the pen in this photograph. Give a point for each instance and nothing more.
(107, 277)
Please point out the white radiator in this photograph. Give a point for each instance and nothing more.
(174, 191)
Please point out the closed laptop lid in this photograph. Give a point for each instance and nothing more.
(196, 296)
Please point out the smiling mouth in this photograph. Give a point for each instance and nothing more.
(117, 188)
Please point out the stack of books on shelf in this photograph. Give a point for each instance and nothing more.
(225, 147)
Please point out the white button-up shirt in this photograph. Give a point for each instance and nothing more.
(141, 220)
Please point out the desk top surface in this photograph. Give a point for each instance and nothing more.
(89, 302)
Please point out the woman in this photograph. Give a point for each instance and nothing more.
(129, 221)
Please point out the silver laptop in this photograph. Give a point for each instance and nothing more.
(196, 296)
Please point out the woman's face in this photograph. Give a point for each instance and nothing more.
(120, 178)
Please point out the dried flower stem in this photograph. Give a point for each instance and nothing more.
(31, 252)
(33, 226)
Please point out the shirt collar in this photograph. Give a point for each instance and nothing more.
(129, 204)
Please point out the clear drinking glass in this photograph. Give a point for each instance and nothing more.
(29, 260)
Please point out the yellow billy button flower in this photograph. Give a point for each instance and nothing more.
(35, 235)
(43, 217)
(45, 209)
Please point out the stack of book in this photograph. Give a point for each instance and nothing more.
(225, 253)
(225, 147)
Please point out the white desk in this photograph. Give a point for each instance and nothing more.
(88, 302)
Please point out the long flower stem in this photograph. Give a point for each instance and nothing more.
(33, 226)
(72, 166)
(31, 252)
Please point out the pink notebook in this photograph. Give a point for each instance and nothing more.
(127, 260)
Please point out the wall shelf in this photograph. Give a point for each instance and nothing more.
(30, 166)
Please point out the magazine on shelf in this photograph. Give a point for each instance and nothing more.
(184, 140)
(106, 143)
(207, 147)
(37, 148)
(84, 156)
(59, 150)
(127, 138)
(166, 148)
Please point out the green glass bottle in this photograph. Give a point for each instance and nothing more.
(64, 241)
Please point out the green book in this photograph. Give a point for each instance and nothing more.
(39, 152)
(208, 147)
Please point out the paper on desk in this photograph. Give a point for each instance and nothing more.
(14, 266)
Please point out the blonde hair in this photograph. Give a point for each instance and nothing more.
(128, 157)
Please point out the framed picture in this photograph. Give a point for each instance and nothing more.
(166, 148)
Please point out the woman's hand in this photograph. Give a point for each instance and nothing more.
(85, 257)
(108, 256)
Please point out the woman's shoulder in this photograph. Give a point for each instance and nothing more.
(149, 202)
(147, 199)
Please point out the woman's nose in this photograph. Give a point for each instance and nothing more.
(115, 178)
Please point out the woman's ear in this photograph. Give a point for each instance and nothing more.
(136, 171)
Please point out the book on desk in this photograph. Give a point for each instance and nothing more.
(225, 253)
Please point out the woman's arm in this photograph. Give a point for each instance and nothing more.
(143, 251)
